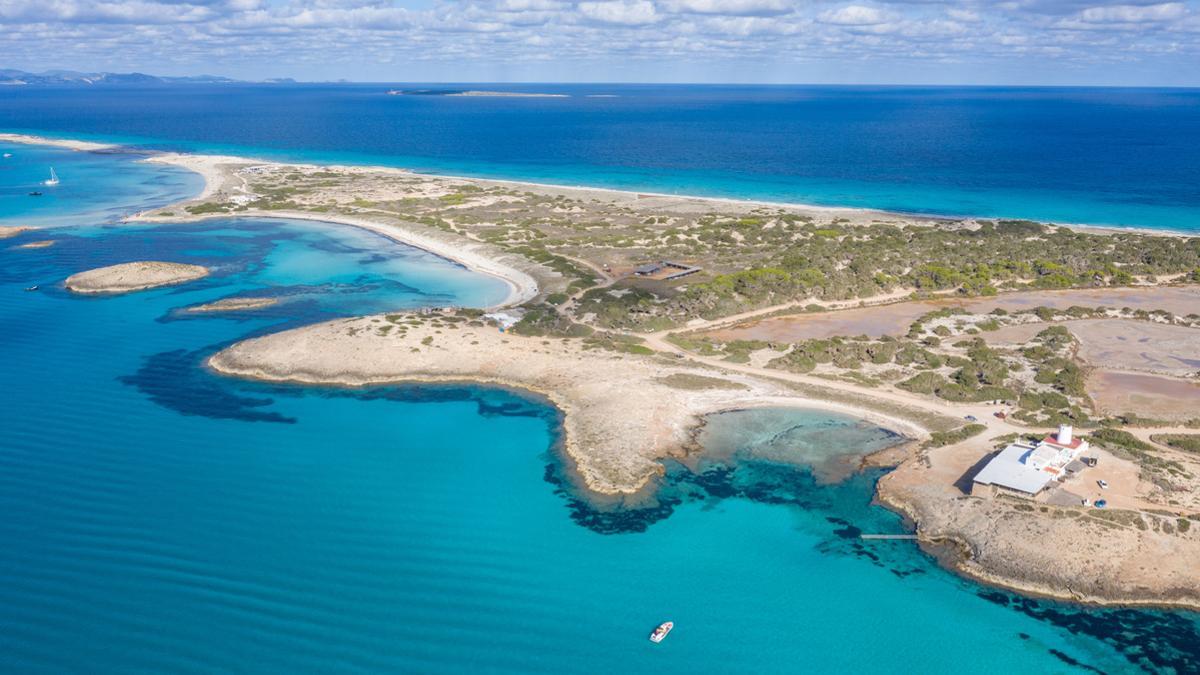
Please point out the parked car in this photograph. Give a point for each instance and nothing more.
(1102, 483)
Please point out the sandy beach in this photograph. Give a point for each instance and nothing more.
(219, 177)
(522, 287)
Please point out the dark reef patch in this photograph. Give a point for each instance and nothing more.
(1154, 641)
(172, 380)
(491, 401)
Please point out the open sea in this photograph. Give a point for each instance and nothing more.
(159, 518)
(1125, 157)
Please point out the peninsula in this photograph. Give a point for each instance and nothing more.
(637, 314)
(623, 412)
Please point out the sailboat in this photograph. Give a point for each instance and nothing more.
(53, 178)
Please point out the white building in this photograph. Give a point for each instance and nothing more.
(1025, 469)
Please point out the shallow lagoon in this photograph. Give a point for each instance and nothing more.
(158, 517)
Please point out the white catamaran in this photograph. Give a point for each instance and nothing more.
(53, 178)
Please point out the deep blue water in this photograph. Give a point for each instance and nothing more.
(158, 518)
(1103, 156)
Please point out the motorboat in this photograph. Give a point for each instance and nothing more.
(660, 633)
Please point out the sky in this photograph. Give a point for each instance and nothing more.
(1052, 42)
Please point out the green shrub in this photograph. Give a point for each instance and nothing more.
(942, 438)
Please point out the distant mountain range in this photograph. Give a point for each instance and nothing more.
(20, 77)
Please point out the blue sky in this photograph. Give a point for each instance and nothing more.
(1083, 42)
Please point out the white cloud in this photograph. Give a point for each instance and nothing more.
(632, 38)
(1166, 11)
(964, 15)
(623, 12)
(855, 15)
(731, 7)
(745, 26)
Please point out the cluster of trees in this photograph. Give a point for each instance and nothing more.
(1061, 403)
(806, 355)
(808, 260)
(625, 308)
(853, 353)
(981, 376)
(977, 373)
(545, 320)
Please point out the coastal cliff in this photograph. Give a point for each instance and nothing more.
(1110, 557)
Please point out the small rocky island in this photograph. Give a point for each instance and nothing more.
(7, 231)
(134, 276)
(234, 305)
(44, 243)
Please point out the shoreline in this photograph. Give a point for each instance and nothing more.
(902, 428)
(618, 423)
(953, 553)
(932, 218)
(617, 450)
(521, 286)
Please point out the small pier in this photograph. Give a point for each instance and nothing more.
(888, 536)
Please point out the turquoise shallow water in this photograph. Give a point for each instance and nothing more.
(158, 518)
(92, 187)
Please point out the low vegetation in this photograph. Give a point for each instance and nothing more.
(751, 257)
(941, 438)
(1185, 442)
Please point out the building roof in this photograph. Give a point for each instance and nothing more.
(648, 268)
(1046, 453)
(1009, 470)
